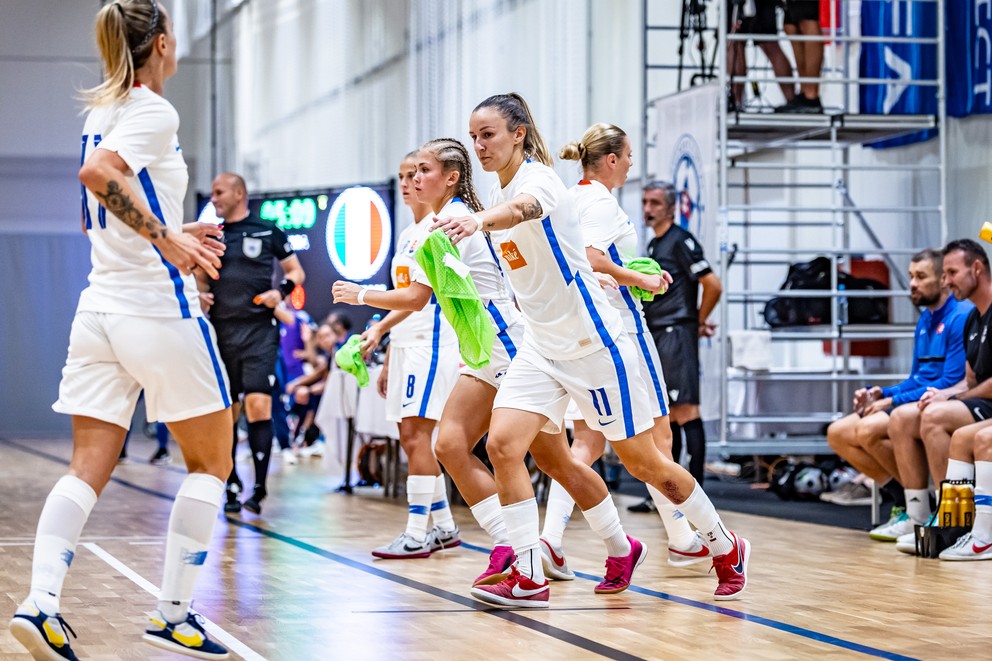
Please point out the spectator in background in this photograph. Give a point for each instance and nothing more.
(921, 438)
(294, 333)
(802, 18)
(679, 318)
(247, 333)
(862, 438)
(763, 23)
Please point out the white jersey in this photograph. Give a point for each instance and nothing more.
(129, 275)
(479, 255)
(426, 327)
(567, 312)
(605, 227)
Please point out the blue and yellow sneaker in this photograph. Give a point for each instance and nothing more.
(186, 637)
(43, 635)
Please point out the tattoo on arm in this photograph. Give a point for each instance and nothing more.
(122, 206)
(533, 211)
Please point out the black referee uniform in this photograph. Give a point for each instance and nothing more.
(247, 333)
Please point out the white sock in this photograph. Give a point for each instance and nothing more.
(419, 493)
(61, 522)
(191, 526)
(960, 470)
(680, 533)
(489, 514)
(557, 514)
(440, 511)
(701, 513)
(918, 505)
(521, 527)
(605, 522)
(983, 501)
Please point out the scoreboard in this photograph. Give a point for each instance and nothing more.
(341, 233)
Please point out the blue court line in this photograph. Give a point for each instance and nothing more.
(747, 617)
(511, 616)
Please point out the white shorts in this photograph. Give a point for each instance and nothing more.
(508, 342)
(606, 385)
(652, 377)
(420, 380)
(113, 357)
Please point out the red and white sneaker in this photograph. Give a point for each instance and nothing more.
(554, 563)
(501, 558)
(515, 591)
(731, 570)
(620, 570)
(699, 551)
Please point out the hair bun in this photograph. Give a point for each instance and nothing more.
(573, 151)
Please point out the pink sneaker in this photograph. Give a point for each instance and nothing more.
(731, 570)
(500, 560)
(515, 591)
(620, 570)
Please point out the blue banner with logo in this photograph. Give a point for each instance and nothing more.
(968, 51)
(898, 62)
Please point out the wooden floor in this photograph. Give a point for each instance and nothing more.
(299, 583)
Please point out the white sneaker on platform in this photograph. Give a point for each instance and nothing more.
(968, 547)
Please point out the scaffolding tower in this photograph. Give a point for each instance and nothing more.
(793, 187)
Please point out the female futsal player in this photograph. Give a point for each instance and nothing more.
(138, 326)
(576, 347)
(611, 242)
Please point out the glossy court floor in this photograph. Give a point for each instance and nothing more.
(298, 583)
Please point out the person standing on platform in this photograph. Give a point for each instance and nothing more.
(137, 326)
(679, 318)
(247, 332)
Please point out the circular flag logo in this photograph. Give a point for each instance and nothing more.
(688, 181)
(359, 233)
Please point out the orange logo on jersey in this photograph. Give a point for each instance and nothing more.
(402, 277)
(512, 255)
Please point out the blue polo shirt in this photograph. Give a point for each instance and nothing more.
(938, 354)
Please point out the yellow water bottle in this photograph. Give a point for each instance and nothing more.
(946, 514)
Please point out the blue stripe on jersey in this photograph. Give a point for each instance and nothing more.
(434, 355)
(205, 330)
(177, 279)
(549, 231)
(101, 213)
(632, 307)
(628, 416)
(492, 251)
(82, 189)
(501, 326)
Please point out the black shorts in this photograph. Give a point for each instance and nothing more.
(678, 348)
(801, 10)
(980, 409)
(249, 351)
(764, 20)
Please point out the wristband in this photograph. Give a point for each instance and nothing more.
(286, 287)
(361, 295)
(478, 221)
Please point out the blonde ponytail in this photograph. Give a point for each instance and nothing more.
(124, 34)
(514, 109)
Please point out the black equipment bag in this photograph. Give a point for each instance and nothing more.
(815, 274)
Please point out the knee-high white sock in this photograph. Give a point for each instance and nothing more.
(521, 526)
(419, 493)
(440, 511)
(61, 522)
(680, 533)
(960, 470)
(701, 513)
(605, 522)
(557, 514)
(983, 501)
(489, 514)
(191, 525)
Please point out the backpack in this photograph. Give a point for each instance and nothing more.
(815, 274)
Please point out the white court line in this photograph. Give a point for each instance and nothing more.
(159, 543)
(224, 637)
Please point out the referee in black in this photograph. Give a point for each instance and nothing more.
(242, 314)
(679, 318)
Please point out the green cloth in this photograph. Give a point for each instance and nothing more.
(647, 266)
(458, 298)
(349, 358)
